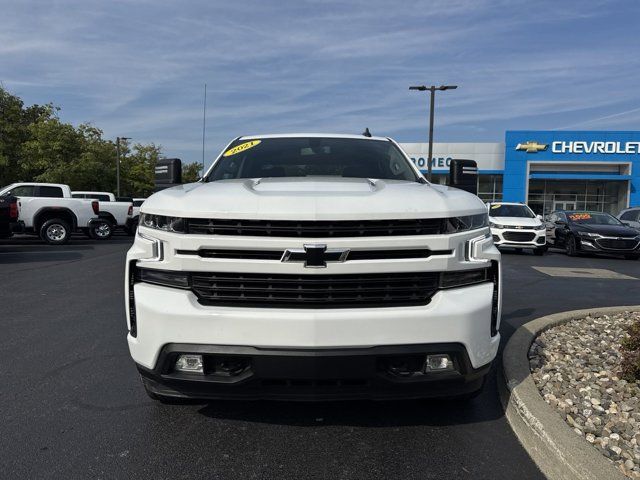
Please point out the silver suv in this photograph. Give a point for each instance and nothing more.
(631, 217)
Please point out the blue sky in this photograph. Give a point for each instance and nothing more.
(137, 69)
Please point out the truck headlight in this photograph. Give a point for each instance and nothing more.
(468, 222)
(161, 222)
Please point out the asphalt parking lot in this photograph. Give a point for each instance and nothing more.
(72, 405)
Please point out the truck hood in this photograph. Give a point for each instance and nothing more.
(312, 198)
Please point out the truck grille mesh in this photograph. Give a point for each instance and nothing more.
(314, 291)
(342, 228)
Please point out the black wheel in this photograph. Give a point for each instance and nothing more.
(570, 247)
(633, 256)
(101, 230)
(55, 231)
(539, 251)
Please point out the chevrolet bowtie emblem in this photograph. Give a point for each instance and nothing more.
(315, 255)
(532, 147)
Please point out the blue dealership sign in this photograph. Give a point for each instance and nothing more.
(571, 155)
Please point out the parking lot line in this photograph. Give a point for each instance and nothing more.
(583, 273)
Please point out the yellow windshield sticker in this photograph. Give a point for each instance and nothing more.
(241, 148)
(496, 205)
(580, 216)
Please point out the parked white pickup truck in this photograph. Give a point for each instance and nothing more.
(135, 216)
(48, 210)
(313, 266)
(116, 214)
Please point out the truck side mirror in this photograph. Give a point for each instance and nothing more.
(463, 174)
(168, 173)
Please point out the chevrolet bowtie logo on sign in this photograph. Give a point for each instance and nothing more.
(532, 147)
(315, 256)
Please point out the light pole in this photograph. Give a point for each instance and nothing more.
(432, 89)
(118, 163)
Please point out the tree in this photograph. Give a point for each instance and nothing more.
(36, 146)
(137, 169)
(14, 131)
(191, 172)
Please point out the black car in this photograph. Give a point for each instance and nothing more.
(595, 232)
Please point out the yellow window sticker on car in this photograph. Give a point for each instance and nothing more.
(496, 205)
(241, 148)
(579, 216)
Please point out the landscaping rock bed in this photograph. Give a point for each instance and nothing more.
(576, 367)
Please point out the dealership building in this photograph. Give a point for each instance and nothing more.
(548, 170)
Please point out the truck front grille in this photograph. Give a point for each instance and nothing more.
(315, 291)
(311, 229)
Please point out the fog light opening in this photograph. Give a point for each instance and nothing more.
(189, 364)
(230, 366)
(438, 363)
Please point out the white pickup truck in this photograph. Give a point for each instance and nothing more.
(313, 266)
(48, 210)
(115, 214)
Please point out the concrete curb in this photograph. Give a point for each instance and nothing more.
(552, 444)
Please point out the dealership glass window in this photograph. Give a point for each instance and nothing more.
(490, 187)
(546, 196)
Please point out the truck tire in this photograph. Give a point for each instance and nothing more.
(55, 231)
(101, 230)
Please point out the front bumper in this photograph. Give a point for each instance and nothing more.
(519, 238)
(379, 373)
(167, 315)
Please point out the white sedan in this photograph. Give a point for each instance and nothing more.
(515, 225)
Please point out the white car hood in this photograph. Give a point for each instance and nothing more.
(312, 198)
(516, 221)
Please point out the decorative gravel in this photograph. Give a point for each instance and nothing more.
(576, 367)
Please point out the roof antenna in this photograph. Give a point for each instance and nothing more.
(366, 132)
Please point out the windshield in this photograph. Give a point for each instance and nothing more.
(305, 156)
(502, 210)
(591, 218)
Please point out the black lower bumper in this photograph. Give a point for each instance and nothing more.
(386, 372)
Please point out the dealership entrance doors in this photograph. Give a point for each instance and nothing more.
(564, 205)
(598, 195)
